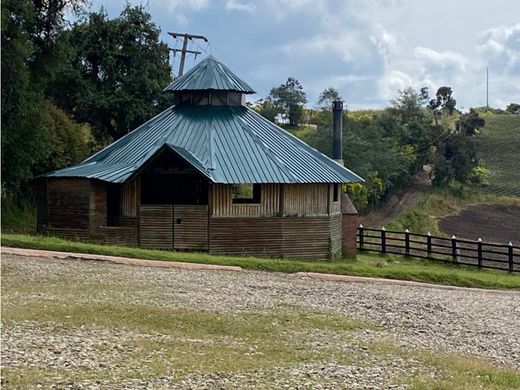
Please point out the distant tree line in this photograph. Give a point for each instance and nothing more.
(389, 146)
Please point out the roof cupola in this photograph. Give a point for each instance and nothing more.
(210, 83)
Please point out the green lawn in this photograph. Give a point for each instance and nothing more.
(371, 265)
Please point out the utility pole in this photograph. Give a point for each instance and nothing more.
(487, 87)
(184, 49)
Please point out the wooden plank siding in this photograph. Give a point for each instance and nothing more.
(156, 226)
(68, 202)
(190, 229)
(296, 200)
(129, 198)
(305, 200)
(97, 210)
(291, 237)
(222, 202)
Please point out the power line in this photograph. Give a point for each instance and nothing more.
(186, 37)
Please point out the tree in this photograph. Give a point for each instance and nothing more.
(513, 108)
(410, 101)
(119, 69)
(289, 99)
(29, 51)
(327, 96)
(266, 108)
(443, 101)
(455, 158)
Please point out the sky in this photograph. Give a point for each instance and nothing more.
(367, 49)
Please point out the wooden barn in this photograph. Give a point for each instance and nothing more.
(208, 174)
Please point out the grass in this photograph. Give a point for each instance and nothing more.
(456, 372)
(497, 146)
(19, 217)
(391, 267)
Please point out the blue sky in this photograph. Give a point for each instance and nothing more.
(367, 49)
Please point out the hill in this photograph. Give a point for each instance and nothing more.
(498, 146)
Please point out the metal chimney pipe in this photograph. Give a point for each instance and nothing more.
(337, 131)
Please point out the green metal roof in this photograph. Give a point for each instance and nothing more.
(210, 74)
(227, 144)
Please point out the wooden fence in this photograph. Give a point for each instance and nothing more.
(451, 250)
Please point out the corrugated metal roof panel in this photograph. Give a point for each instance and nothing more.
(228, 144)
(210, 74)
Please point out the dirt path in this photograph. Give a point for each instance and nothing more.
(402, 199)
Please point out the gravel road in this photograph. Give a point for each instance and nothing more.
(479, 323)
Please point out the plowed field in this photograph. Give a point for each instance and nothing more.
(491, 222)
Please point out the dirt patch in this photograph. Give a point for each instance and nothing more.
(400, 200)
(491, 222)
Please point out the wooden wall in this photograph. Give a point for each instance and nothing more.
(222, 202)
(296, 200)
(190, 227)
(292, 237)
(130, 198)
(76, 209)
(68, 203)
(156, 226)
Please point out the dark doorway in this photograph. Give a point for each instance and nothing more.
(170, 180)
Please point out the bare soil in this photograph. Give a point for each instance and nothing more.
(492, 222)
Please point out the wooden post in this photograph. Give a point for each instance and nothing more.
(383, 239)
(453, 249)
(429, 244)
(361, 238)
(479, 252)
(407, 242)
(510, 250)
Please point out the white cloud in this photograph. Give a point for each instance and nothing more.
(445, 60)
(500, 48)
(178, 8)
(391, 82)
(236, 5)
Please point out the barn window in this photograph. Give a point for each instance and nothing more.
(246, 193)
(113, 204)
(336, 192)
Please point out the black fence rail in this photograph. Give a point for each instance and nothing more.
(449, 250)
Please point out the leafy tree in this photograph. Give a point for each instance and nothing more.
(456, 158)
(513, 108)
(119, 69)
(266, 108)
(29, 31)
(289, 99)
(443, 101)
(327, 96)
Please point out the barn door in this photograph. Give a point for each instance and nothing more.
(190, 227)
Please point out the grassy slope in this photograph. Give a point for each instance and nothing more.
(498, 146)
(392, 267)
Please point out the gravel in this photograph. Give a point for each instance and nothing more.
(478, 323)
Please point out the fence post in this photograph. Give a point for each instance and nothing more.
(510, 250)
(453, 249)
(429, 244)
(407, 242)
(361, 237)
(479, 252)
(383, 239)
